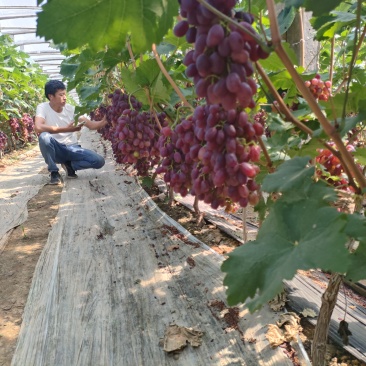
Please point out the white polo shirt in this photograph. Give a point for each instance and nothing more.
(62, 119)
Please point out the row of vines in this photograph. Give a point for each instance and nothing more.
(21, 89)
(209, 95)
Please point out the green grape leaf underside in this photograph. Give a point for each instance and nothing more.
(106, 22)
(304, 234)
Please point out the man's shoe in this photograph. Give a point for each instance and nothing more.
(55, 178)
(70, 172)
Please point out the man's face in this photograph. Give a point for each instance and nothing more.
(59, 98)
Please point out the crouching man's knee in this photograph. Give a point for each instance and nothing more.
(44, 138)
(99, 162)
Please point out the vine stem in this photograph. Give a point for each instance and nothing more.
(244, 219)
(331, 59)
(265, 152)
(283, 107)
(131, 54)
(152, 110)
(217, 12)
(329, 129)
(329, 300)
(169, 78)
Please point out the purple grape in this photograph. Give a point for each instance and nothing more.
(233, 82)
(215, 35)
(181, 28)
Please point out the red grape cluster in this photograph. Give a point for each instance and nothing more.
(330, 168)
(210, 155)
(136, 136)
(26, 127)
(178, 149)
(224, 173)
(97, 115)
(320, 89)
(14, 127)
(3, 141)
(221, 63)
(133, 133)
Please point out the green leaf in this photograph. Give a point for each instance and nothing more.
(285, 18)
(351, 122)
(159, 91)
(290, 175)
(147, 182)
(357, 267)
(295, 235)
(308, 149)
(321, 7)
(356, 229)
(344, 16)
(4, 114)
(89, 92)
(276, 123)
(360, 155)
(274, 63)
(106, 22)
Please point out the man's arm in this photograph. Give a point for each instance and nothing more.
(41, 126)
(93, 125)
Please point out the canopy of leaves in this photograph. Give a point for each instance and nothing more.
(21, 82)
(101, 23)
(302, 231)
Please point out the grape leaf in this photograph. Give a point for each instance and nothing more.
(360, 155)
(304, 234)
(357, 267)
(321, 7)
(290, 175)
(285, 18)
(106, 22)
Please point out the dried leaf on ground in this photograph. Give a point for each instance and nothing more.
(279, 302)
(308, 313)
(177, 337)
(286, 329)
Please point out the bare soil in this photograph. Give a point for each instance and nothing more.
(17, 263)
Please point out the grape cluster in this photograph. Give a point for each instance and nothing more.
(221, 63)
(178, 149)
(211, 155)
(224, 173)
(3, 141)
(136, 136)
(14, 127)
(330, 167)
(97, 115)
(319, 89)
(132, 132)
(26, 128)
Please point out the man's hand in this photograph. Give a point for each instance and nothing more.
(95, 125)
(72, 128)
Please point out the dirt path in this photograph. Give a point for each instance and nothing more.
(17, 264)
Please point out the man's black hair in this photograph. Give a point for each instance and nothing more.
(52, 86)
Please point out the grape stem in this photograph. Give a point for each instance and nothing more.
(167, 114)
(263, 45)
(283, 107)
(265, 152)
(331, 60)
(131, 54)
(171, 81)
(152, 110)
(244, 219)
(129, 98)
(346, 157)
